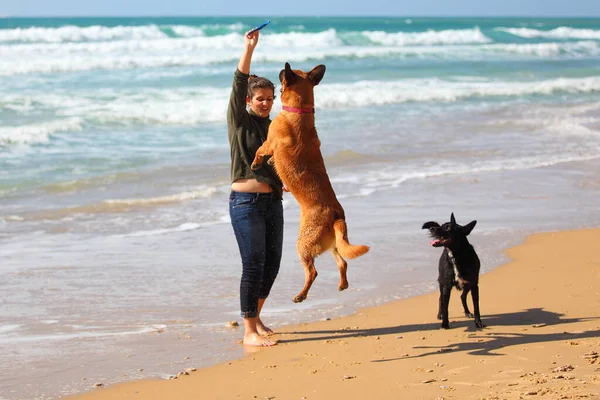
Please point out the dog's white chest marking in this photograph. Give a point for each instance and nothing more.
(457, 276)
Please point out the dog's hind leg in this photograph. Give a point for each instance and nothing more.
(343, 266)
(309, 246)
(310, 274)
(475, 297)
(463, 299)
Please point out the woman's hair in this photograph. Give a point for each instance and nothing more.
(257, 82)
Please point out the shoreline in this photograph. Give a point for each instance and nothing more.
(540, 335)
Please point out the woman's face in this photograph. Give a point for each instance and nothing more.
(261, 102)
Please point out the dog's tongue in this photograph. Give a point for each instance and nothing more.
(434, 242)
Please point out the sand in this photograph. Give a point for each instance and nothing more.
(542, 340)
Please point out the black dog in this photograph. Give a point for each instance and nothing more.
(459, 266)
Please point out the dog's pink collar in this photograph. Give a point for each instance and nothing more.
(308, 110)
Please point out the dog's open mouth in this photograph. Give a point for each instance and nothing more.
(439, 242)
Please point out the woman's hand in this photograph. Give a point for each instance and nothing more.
(251, 39)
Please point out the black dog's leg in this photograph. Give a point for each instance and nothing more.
(441, 306)
(463, 298)
(444, 301)
(475, 297)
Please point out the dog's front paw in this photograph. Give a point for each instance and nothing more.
(479, 324)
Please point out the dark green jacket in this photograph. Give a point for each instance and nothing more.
(247, 132)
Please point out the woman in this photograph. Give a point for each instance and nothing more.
(255, 201)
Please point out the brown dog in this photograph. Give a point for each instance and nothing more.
(293, 143)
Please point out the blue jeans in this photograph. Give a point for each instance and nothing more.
(257, 220)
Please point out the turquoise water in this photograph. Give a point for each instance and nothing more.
(114, 172)
(90, 97)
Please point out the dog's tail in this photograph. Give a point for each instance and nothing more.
(345, 249)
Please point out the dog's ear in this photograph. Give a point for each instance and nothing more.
(430, 224)
(452, 220)
(469, 227)
(287, 76)
(316, 74)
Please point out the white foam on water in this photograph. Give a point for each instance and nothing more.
(191, 106)
(343, 95)
(187, 31)
(544, 50)
(99, 33)
(174, 198)
(189, 226)
(430, 37)
(563, 32)
(377, 179)
(566, 121)
(165, 52)
(77, 34)
(9, 328)
(83, 333)
(38, 133)
(149, 106)
(93, 34)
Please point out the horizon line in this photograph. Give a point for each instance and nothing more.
(8, 16)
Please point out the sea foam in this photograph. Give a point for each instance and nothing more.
(37, 133)
(562, 32)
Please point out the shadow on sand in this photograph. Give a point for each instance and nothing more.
(491, 341)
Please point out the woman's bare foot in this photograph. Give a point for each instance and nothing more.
(255, 339)
(262, 329)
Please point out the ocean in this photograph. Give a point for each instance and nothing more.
(117, 256)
